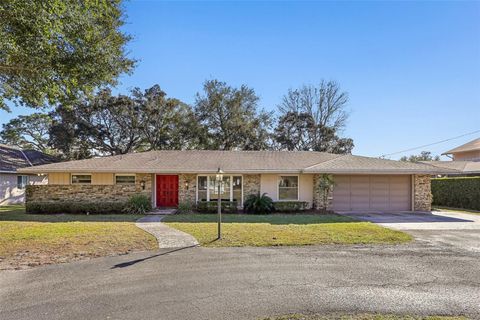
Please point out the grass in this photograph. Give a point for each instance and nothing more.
(30, 240)
(363, 317)
(283, 230)
(447, 209)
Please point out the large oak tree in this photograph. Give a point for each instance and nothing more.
(230, 118)
(55, 51)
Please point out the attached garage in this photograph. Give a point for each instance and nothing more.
(372, 192)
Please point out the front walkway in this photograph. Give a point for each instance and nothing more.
(167, 237)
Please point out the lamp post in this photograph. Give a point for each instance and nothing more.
(219, 179)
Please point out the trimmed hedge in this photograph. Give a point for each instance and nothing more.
(461, 192)
(290, 206)
(75, 207)
(212, 206)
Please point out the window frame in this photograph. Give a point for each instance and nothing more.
(22, 185)
(240, 203)
(279, 177)
(80, 174)
(125, 175)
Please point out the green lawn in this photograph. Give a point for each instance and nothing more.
(362, 317)
(447, 209)
(29, 240)
(283, 230)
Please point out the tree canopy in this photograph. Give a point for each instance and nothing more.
(312, 117)
(230, 118)
(423, 156)
(56, 51)
(223, 117)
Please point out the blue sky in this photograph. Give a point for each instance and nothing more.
(412, 69)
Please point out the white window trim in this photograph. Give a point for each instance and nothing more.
(125, 174)
(231, 186)
(81, 174)
(278, 187)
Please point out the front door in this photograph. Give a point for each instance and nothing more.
(167, 190)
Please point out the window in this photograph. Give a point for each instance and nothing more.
(230, 189)
(22, 181)
(288, 188)
(202, 189)
(81, 179)
(125, 179)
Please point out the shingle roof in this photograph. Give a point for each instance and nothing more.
(203, 161)
(12, 158)
(464, 167)
(469, 146)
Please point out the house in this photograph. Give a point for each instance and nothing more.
(12, 184)
(465, 159)
(173, 177)
(469, 151)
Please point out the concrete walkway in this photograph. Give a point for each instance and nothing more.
(167, 237)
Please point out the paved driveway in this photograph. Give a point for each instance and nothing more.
(247, 283)
(447, 229)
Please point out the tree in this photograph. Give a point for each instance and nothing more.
(55, 51)
(423, 156)
(28, 132)
(65, 135)
(229, 118)
(311, 119)
(109, 124)
(165, 123)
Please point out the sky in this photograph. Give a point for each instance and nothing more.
(411, 69)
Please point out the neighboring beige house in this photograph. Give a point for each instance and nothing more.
(173, 177)
(469, 151)
(12, 184)
(465, 159)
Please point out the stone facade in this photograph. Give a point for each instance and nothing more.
(318, 198)
(422, 195)
(187, 187)
(90, 193)
(251, 185)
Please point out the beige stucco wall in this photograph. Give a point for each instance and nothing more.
(63, 178)
(269, 185)
(59, 178)
(469, 155)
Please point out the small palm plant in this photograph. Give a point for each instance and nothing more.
(258, 204)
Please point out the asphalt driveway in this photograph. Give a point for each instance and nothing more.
(439, 228)
(247, 283)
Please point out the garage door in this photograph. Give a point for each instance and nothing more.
(372, 193)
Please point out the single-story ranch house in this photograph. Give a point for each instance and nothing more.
(173, 177)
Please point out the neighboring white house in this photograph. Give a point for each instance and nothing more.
(12, 184)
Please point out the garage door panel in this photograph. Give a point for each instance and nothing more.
(373, 192)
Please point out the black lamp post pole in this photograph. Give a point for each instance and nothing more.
(219, 213)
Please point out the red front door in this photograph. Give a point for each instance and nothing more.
(167, 191)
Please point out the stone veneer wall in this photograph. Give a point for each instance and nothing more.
(317, 195)
(251, 185)
(89, 193)
(422, 197)
(187, 187)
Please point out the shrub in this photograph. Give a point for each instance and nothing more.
(290, 206)
(258, 204)
(212, 206)
(457, 192)
(185, 207)
(138, 204)
(74, 207)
